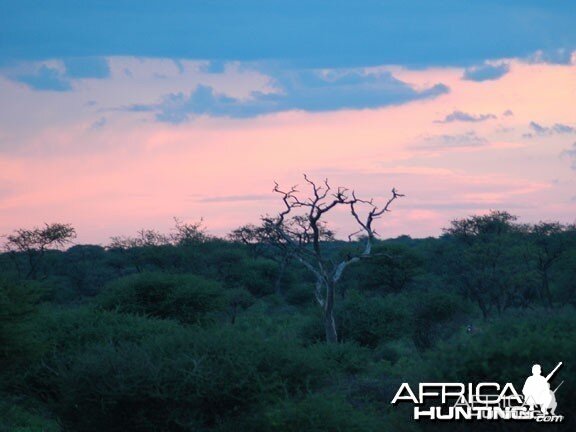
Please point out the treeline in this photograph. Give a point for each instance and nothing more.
(187, 332)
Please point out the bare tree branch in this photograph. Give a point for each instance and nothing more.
(300, 228)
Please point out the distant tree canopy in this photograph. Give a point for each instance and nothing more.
(183, 233)
(498, 262)
(34, 242)
(187, 332)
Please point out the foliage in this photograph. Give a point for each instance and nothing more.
(182, 381)
(16, 418)
(186, 298)
(392, 268)
(372, 320)
(484, 263)
(18, 306)
(437, 314)
(203, 334)
(31, 244)
(315, 413)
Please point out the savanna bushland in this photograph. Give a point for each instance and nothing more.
(184, 331)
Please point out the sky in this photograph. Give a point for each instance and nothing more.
(121, 115)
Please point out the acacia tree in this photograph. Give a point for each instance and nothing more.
(549, 243)
(486, 263)
(33, 243)
(302, 236)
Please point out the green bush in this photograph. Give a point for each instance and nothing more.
(15, 418)
(392, 268)
(258, 276)
(188, 299)
(504, 351)
(437, 314)
(314, 413)
(507, 348)
(69, 332)
(238, 300)
(189, 379)
(69, 329)
(370, 320)
(300, 294)
(345, 357)
(18, 306)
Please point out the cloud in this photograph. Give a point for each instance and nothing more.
(508, 113)
(50, 76)
(556, 129)
(465, 117)
(444, 142)
(561, 56)
(306, 90)
(486, 72)
(87, 67)
(571, 155)
(306, 32)
(99, 124)
(45, 78)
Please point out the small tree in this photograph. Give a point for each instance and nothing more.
(549, 243)
(486, 261)
(33, 243)
(301, 234)
(188, 233)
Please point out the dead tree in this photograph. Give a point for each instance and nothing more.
(298, 229)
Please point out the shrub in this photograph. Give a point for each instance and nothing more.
(315, 413)
(257, 276)
(186, 298)
(300, 294)
(18, 419)
(69, 329)
(183, 381)
(67, 332)
(370, 320)
(18, 305)
(504, 351)
(391, 269)
(238, 300)
(436, 315)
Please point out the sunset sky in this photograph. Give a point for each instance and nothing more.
(120, 115)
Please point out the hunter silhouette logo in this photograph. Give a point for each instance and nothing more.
(537, 391)
(485, 400)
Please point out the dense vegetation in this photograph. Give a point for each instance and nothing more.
(186, 332)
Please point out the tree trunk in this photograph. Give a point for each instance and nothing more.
(330, 328)
(329, 323)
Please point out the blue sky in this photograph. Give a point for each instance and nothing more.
(309, 33)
